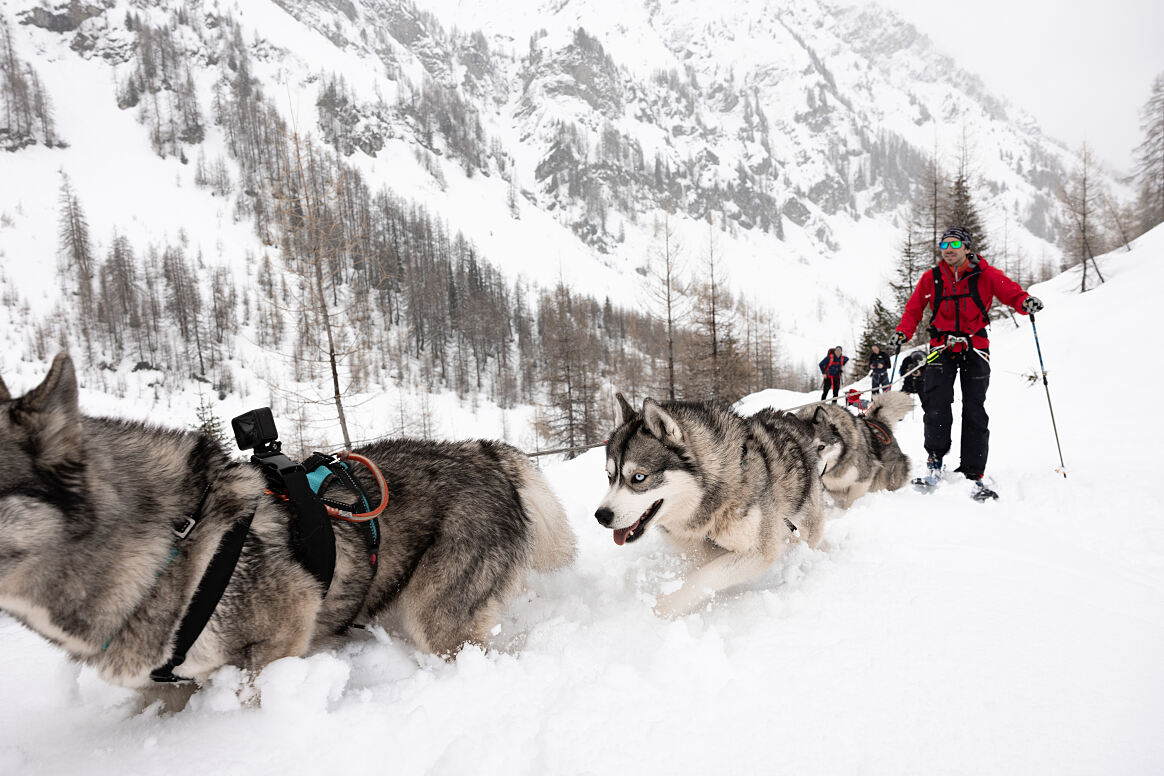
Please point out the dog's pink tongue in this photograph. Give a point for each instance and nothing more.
(620, 534)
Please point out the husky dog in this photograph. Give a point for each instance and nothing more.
(90, 560)
(860, 455)
(734, 491)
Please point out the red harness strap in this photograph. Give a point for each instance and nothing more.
(879, 431)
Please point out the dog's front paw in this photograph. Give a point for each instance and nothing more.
(664, 612)
(671, 606)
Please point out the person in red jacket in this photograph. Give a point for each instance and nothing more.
(959, 292)
(832, 367)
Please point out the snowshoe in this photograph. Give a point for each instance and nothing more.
(982, 493)
(933, 478)
(927, 484)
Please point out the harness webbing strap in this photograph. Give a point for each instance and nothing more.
(311, 532)
(328, 470)
(206, 597)
(879, 431)
(974, 293)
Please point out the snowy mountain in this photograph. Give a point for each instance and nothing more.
(930, 634)
(555, 135)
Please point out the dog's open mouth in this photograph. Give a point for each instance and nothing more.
(623, 535)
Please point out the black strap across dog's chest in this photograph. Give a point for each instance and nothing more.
(209, 593)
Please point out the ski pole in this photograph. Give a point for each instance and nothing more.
(893, 371)
(932, 355)
(1062, 466)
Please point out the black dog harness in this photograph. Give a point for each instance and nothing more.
(305, 493)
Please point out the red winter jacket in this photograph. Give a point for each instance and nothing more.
(961, 314)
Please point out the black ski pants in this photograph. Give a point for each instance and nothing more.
(833, 381)
(937, 401)
(880, 380)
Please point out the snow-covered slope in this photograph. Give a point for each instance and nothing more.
(555, 136)
(930, 634)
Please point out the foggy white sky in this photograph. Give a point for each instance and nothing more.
(1082, 69)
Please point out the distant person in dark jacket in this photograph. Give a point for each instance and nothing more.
(879, 366)
(912, 372)
(831, 367)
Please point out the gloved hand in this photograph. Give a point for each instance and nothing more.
(1032, 305)
(901, 338)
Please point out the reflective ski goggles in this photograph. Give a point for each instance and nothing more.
(950, 244)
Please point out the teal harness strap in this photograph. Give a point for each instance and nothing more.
(318, 478)
(331, 470)
(315, 479)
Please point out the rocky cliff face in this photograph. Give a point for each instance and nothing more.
(788, 121)
(768, 115)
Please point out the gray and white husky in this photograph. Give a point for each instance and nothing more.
(859, 455)
(734, 492)
(89, 558)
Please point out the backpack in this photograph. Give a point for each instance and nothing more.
(941, 296)
(912, 383)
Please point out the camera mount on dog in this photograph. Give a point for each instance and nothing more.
(311, 531)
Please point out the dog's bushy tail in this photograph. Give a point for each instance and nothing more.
(889, 408)
(554, 543)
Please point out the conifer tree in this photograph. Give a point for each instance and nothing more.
(1149, 173)
(880, 324)
(74, 246)
(929, 208)
(711, 326)
(119, 306)
(209, 423)
(569, 346)
(960, 209)
(719, 370)
(17, 121)
(668, 289)
(916, 256)
(1082, 200)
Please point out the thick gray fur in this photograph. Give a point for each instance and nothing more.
(87, 507)
(854, 457)
(735, 492)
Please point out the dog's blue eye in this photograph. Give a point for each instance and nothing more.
(638, 477)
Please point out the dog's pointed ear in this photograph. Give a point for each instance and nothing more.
(51, 415)
(660, 424)
(4, 395)
(623, 411)
(58, 391)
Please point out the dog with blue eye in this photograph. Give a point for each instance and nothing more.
(730, 491)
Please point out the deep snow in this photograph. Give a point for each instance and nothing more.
(931, 634)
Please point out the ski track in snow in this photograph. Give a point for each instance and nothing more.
(930, 634)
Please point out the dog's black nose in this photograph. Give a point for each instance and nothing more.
(604, 516)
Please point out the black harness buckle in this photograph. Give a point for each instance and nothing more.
(185, 530)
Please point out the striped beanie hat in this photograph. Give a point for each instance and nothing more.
(958, 233)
